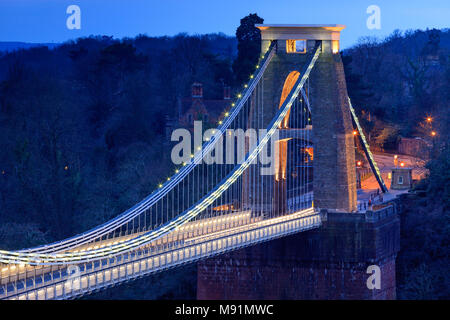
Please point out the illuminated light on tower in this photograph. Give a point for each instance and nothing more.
(429, 119)
(335, 46)
(355, 132)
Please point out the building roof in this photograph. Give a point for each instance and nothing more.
(214, 108)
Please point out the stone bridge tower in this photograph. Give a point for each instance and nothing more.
(334, 150)
(330, 262)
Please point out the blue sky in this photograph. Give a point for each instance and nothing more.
(45, 20)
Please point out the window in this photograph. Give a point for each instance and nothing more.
(197, 90)
(400, 180)
(296, 46)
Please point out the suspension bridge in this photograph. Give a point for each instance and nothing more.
(297, 104)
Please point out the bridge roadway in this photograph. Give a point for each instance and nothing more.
(194, 241)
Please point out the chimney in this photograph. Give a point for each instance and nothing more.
(226, 93)
(197, 90)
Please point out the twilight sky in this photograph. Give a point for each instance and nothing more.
(45, 20)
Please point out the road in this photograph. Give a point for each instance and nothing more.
(385, 163)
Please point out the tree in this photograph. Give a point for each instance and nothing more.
(432, 45)
(387, 137)
(249, 47)
(439, 178)
(359, 92)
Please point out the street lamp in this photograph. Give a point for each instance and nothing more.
(355, 132)
(433, 133)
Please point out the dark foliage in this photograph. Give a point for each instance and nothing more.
(423, 263)
(83, 125)
(396, 83)
(249, 47)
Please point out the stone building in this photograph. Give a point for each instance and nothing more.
(401, 179)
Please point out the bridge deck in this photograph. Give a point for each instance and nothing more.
(89, 277)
